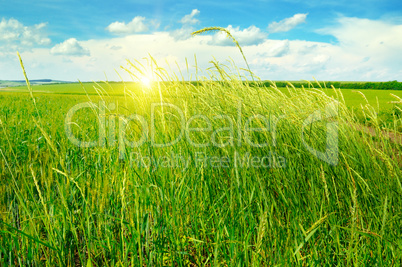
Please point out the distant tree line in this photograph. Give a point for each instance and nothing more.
(391, 85)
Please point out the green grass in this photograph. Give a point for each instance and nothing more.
(77, 88)
(63, 205)
(358, 101)
(380, 99)
(376, 98)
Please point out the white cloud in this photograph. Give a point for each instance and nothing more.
(16, 36)
(137, 25)
(250, 36)
(366, 35)
(274, 48)
(366, 50)
(183, 33)
(373, 41)
(70, 47)
(115, 47)
(189, 19)
(287, 24)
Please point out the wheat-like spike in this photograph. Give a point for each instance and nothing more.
(261, 232)
(28, 85)
(229, 35)
(395, 102)
(325, 183)
(363, 95)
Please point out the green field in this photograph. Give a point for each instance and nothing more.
(357, 100)
(207, 174)
(376, 98)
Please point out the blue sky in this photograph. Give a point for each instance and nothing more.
(288, 39)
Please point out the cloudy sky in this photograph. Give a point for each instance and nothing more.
(282, 40)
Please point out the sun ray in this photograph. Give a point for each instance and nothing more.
(146, 81)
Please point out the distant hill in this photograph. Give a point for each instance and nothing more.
(13, 83)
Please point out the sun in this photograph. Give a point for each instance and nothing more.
(146, 81)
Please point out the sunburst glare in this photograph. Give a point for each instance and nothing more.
(146, 81)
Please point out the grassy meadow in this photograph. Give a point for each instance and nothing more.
(214, 173)
(382, 100)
